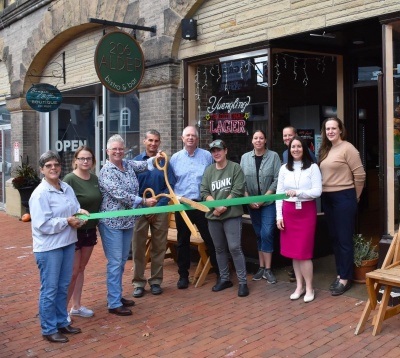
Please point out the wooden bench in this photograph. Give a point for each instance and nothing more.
(389, 276)
(204, 265)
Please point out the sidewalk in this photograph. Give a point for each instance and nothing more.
(181, 323)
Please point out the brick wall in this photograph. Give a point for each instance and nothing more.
(35, 40)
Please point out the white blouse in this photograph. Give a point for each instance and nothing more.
(307, 183)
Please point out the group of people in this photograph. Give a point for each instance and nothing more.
(338, 177)
(63, 243)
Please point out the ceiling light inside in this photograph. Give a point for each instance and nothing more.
(324, 34)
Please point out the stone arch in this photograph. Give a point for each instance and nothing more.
(65, 20)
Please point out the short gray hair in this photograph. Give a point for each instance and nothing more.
(49, 155)
(115, 138)
(153, 132)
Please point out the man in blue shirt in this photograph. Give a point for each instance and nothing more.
(188, 166)
(158, 223)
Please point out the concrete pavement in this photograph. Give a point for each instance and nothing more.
(182, 323)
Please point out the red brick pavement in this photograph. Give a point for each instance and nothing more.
(181, 323)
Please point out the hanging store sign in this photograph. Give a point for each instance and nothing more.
(43, 97)
(119, 62)
(228, 117)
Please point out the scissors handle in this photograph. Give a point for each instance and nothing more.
(159, 166)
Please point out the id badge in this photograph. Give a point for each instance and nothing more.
(298, 205)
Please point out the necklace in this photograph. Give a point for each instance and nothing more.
(297, 180)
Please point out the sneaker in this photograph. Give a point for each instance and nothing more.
(259, 274)
(82, 311)
(69, 319)
(269, 276)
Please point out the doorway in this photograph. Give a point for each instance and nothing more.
(5, 161)
(367, 116)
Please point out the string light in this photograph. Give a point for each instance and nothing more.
(205, 77)
(282, 61)
(277, 72)
(305, 80)
(196, 81)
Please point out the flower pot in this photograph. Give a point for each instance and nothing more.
(366, 266)
(25, 194)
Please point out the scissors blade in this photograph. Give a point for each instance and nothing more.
(193, 204)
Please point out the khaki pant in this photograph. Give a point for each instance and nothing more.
(159, 232)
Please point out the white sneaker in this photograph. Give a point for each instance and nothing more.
(82, 311)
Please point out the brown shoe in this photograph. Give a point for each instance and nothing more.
(56, 338)
(120, 311)
(127, 303)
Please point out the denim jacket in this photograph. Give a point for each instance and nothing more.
(268, 173)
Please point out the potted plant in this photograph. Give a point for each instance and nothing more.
(25, 180)
(365, 257)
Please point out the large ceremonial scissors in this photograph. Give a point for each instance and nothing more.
(175, 199)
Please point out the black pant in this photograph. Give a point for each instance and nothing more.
(340, 209)
(198, 218)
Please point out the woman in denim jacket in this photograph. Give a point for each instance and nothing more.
(261, 168)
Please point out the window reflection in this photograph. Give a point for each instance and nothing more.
(232, 100)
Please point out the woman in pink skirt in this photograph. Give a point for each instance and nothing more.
(296, 217)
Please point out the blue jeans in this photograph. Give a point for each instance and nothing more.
(55, 268)
(264, 221)
(116, 246)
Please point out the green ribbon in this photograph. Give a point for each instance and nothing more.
(181, 207)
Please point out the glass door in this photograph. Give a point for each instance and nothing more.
(123, 118)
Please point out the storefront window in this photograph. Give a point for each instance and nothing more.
(304, 94)
(72, 125)
(123, 119)
(232, 100)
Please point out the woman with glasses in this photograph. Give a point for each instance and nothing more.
(119, 187)
(223, 180)
(261, 168)
(52, 206)
(86, 188)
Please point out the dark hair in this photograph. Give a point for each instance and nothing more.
(83, 147)
(49, 155)
(263, 133)
(305, 159)
(326, 144)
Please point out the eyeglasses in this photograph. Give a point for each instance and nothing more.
(117, 149)
(55, 165)
(83, 159)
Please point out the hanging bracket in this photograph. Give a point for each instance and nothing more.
(152, 29)
(55, 73)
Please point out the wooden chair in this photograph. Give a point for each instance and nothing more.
(389, 276)
(204, 265)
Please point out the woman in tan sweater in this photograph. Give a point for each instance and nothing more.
(343, 179)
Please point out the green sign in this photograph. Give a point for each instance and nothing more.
(119, 62)
(43, 97)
